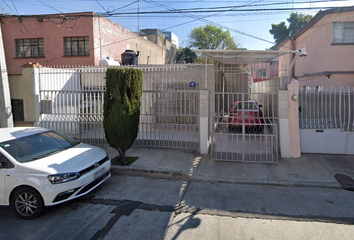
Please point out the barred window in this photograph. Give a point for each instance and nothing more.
(77, 46)
(343, 32)
(30, 47)
(262, 73)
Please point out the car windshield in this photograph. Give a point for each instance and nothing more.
(247, 106)
(37, 146)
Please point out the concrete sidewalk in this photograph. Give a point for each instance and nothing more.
(311, 170)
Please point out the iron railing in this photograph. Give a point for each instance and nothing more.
(326, 108)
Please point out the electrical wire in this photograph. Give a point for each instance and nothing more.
(49, 6)
(14, 6)
(100, 5)
(7, 6)
(228, 28)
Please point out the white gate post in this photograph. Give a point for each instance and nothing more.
(204, 121)
(6, 119)
(36, 99)
(283, 113)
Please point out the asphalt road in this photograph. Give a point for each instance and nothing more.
(141, 208)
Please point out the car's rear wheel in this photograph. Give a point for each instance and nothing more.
(27, 203)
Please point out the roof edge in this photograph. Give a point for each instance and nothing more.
(319, 16)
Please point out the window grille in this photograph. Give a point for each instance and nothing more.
(30, 47)
(77, 46)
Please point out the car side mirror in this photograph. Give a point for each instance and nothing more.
(4, 163)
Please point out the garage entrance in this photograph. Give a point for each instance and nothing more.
(244, 125)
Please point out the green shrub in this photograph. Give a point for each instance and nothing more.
(122, 108)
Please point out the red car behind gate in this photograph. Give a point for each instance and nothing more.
(252, 114)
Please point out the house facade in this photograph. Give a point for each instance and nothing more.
(72, 39)
(329, 42)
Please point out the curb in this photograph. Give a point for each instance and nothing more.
(176, 175)
(149, 173)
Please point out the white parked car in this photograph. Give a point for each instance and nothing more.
(40, 167)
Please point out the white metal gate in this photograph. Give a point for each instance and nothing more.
(244, 124)
(169, 114)
(169, 119)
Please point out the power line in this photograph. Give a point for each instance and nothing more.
(222, 26)
(7, 6)
(216, 10)
(200, 18)
(49, 6)
(14, 6)
(100, 5)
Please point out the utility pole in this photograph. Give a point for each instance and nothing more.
(6, 119)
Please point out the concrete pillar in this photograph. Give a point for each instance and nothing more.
(288, 112)
(294, 129)
(283, 113)
(204, 121)
(6, 119)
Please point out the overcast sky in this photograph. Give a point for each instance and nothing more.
(248, 21)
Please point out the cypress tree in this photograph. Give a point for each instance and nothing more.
(122, 108)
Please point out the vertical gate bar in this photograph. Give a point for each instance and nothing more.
(325, 107)
(340, 108)
(307, 107)
(321, 109)
(335, 106)
(243, 126)
(348, 109)
(330, 108)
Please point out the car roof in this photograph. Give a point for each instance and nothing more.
(11, 133)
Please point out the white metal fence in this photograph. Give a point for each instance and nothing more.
(326, 120)
(71, 101)
(326, 108)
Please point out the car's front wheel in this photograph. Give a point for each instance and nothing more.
(27, 203)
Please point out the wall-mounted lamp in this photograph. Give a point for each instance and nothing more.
(294, 97)
(303, 52)
(328, 75)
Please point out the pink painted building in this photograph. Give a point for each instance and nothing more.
(329, 42)
(263, 71)
(73, 39)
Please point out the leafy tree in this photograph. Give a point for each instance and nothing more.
(279, 32)
(211, 37)
(186, 54)
(122, 108)
(296, 22)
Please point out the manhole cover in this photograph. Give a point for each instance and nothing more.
(345, 181)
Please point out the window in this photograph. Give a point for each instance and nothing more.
(262, 73)
(31, 47)
(247, 105)
(77, 46)
(33, 147)
(343, 32)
